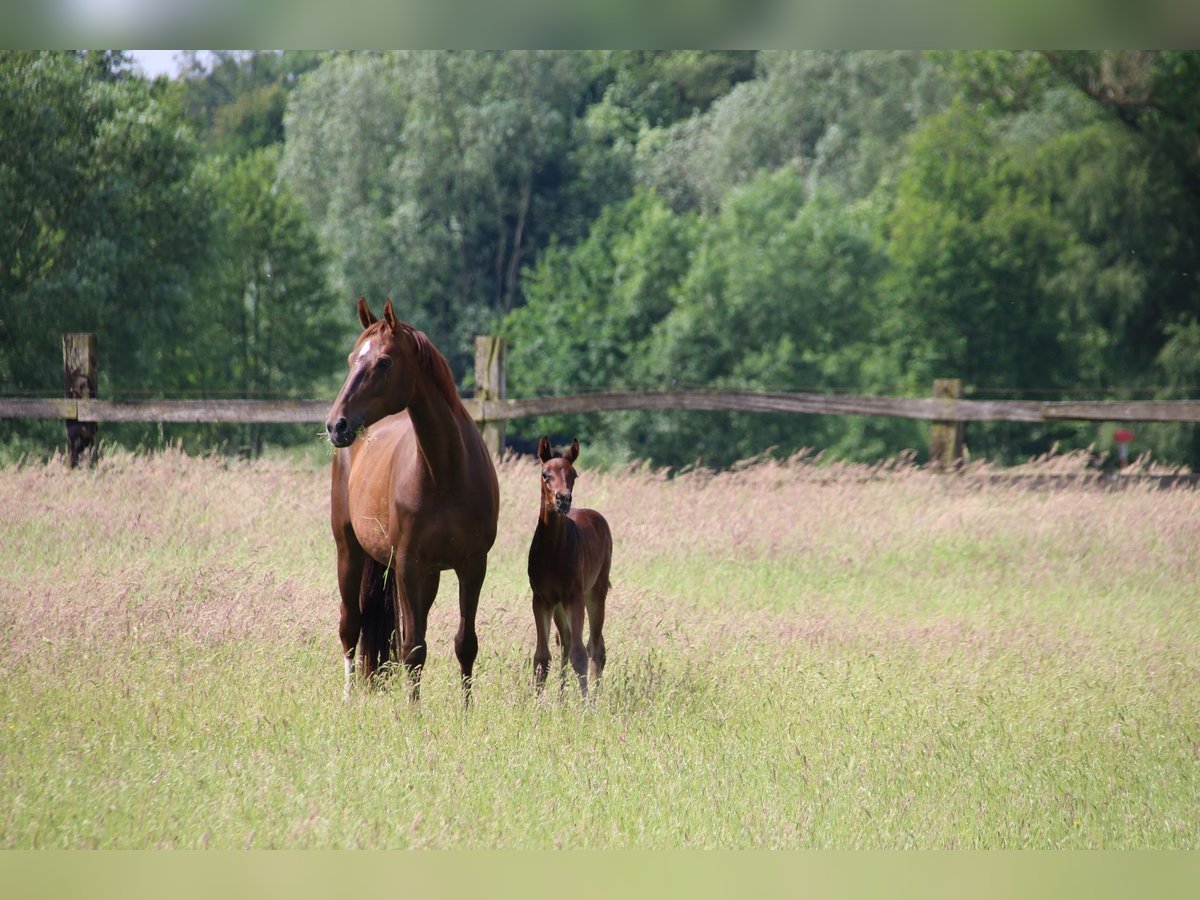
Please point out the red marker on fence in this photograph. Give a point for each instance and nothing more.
(1123, 437)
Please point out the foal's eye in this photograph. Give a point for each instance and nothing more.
(383, 363)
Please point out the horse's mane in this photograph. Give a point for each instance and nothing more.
(435, 366)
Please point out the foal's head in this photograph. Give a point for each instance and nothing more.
(558, 476)
(382, 375)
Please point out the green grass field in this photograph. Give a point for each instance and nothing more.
(799, 656)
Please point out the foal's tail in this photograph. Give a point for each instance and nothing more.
(378, 600)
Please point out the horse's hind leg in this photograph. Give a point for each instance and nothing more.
(376, 643)
(466, 641)
(573, 644)
(562, 623)
(594, 602)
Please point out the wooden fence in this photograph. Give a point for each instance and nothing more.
(945, 410)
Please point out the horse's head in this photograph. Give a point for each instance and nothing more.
(558, 475)
(381, 378)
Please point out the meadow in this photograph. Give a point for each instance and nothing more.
(800, 655)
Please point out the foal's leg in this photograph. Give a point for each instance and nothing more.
(417, 591)
(579, 657)
(349, 566)
(541, 652)
(594, 602)
(466, 641)
(563, 623)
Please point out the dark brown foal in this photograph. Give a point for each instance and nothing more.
(569, 561)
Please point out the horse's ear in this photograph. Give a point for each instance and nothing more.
(545, 454)
(389, 316)
(364, 313)
(572, 453)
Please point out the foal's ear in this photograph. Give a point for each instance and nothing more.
(572, 453)
(545, 454)
(389, 316)
(364, 313)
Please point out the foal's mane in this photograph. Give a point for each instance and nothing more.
(434, 364)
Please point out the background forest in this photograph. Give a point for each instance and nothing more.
(857, 222)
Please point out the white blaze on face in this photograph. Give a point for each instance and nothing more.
(366, 348)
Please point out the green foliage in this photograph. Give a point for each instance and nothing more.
(837, 117)
(266, 305)
(781, 295)
(105, 226)
(237, 99)
(1048, 246)
(972, 255)
(662, 87)
(435, 177)
(197, 275)
(775, 293)
(858, 221)
(591, 308)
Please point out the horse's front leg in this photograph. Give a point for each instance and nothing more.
(541, 651)
(349, 570)
(562, 622)
(466, 641)
(418, 588)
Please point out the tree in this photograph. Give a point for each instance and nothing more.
(1155, 94)
(781, 295)
(265, 324)
(662, 87)
(777, 292)
(837, 117)
(237, 98)
(1106, 142)
(435, 177)
(590, 309)
(343, 124)
(104, 225)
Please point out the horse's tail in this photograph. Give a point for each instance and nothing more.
(377, 600)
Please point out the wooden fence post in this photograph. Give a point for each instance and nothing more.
(946, 435)
(79, 377)
(491, 383)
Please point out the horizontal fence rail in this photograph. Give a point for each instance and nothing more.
(238, 412)
(946, 410)
(314, 411)
(929, 409)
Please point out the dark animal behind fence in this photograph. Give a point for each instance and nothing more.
(569, 562)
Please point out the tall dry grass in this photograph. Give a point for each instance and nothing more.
(799, 655)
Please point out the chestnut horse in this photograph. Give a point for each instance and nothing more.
(414, 493)
(569, 561)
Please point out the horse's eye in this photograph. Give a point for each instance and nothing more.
(383, 363)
